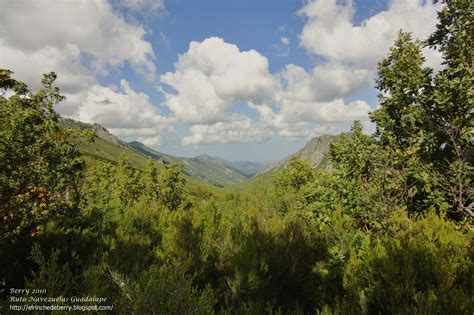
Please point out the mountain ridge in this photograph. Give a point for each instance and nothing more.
(315, 151)
(213, 170)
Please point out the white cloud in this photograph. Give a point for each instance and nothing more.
(294, 118)
(282, 49)
(325, 83)
(82, 39)
(164, 39)
(321, 112)
(153, 141)
(91, 26)
(126, 112)
(73, 77)
(79, 40)
(149, 6)
(329, 31)
(211, 76)
(311, 103)
(239, 129)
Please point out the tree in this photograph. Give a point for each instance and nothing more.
(149, 180)
(403, 84)
(40, 170)
(406, 93)
(297, 174)
(426, 122)
(126, 185)
(451, 113)
(171, 185)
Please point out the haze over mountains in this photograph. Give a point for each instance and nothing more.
(213, 170)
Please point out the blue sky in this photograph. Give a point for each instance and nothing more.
(260, 79)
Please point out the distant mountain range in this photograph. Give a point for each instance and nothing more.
(215, 171)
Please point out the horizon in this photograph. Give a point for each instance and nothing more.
(242, 81)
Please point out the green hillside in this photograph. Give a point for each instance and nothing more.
(215, 171)
(212, 170)
(315, 152)
(108, 148)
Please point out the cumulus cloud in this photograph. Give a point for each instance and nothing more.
(90, 26)
(321, 112)
(80, 40)
(311, 103)
(214, 75)
(326, 82)
(76, 39)
(239, 129)
(211, 76)
(126, 112)
(329, 31)
(278, 121)
(28, 66)
(293, 118)
(89, 38)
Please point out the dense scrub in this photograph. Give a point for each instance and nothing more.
(388, 230)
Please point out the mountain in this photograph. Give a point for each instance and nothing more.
(316, 152)
(248, 168)
(215, 171)
(202, 167)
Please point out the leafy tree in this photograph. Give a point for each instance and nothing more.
(405, 97)
(295, 175)
(126, 183)
(149, 181)
(365, 183)
(451, 113)
(171, 185)
(404, 85)
(355, 155)
(40, 170)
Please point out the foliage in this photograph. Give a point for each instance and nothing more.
(388, 229)
(40, 171)
(171, 185)
(51, 276)
(423, 267)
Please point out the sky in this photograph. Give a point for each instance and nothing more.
(238, 79)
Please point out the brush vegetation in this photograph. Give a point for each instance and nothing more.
(386, 229)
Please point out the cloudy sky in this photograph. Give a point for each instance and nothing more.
(238, 79)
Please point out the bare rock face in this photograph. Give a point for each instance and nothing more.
(316, 149)
(100, 130)
(316, 152)
(103, 133)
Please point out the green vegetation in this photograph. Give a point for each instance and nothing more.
(386, 230)
(108, 148)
